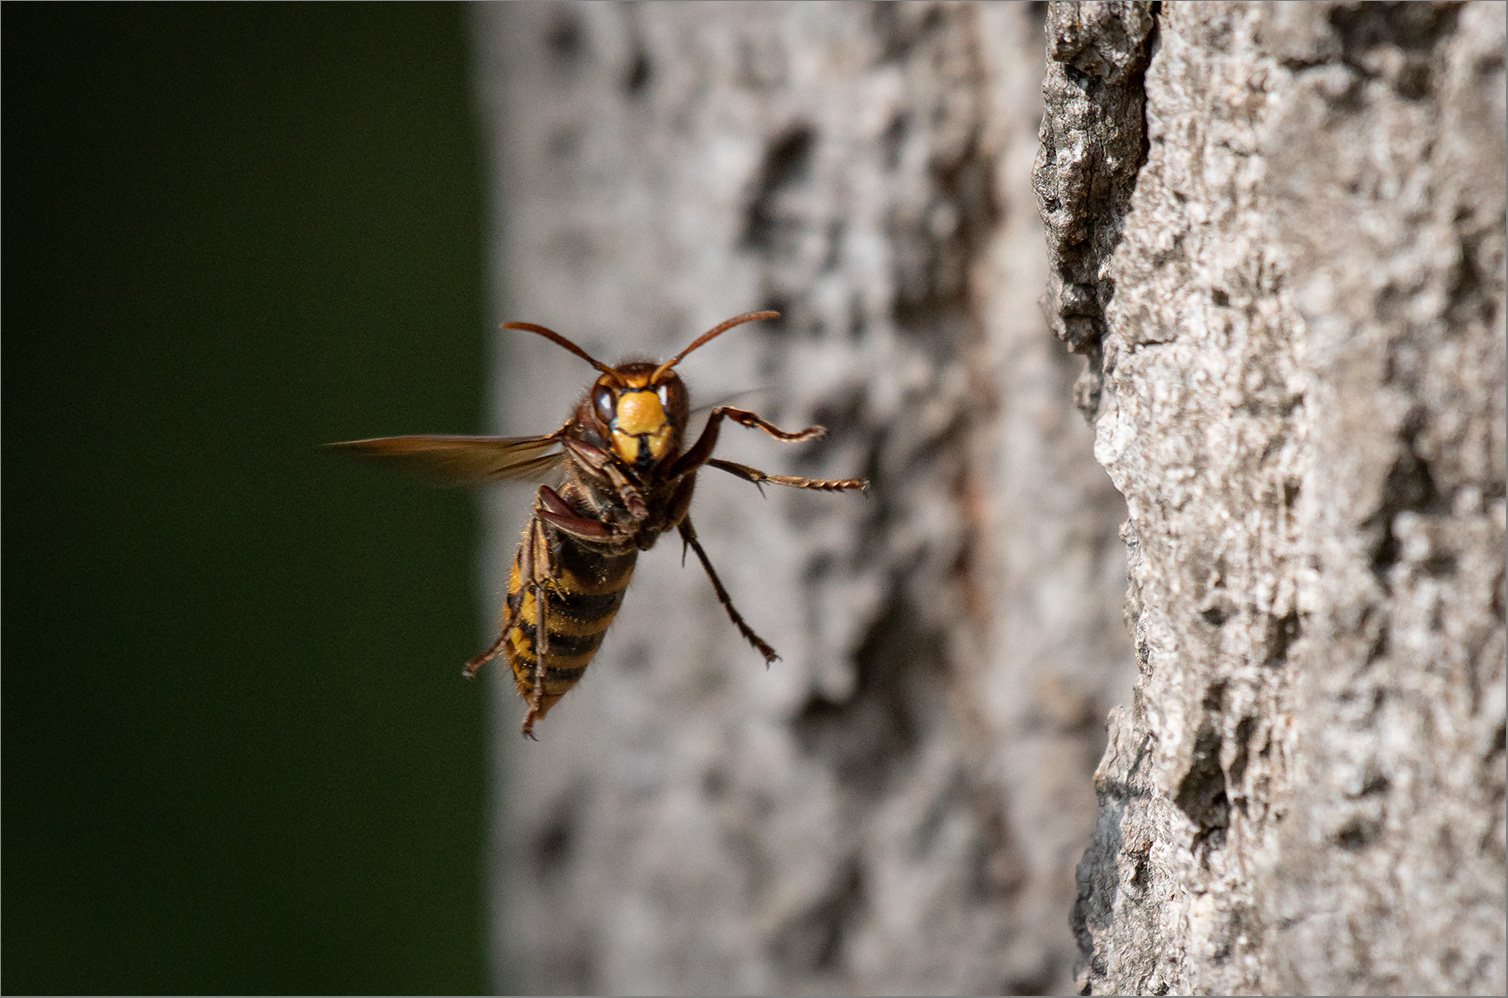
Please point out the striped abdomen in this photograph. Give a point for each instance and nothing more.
(580, 603)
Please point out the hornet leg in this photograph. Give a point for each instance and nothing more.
(541, 639)
(758, 477)
(525, 559)
(688, 536)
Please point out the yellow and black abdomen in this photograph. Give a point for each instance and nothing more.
(580, 602)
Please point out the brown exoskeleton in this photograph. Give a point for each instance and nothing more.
(625, 479)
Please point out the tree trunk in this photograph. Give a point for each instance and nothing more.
(1293, 308)
(1277, 237)
(897, 805)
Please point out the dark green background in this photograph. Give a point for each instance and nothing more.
(238, 752)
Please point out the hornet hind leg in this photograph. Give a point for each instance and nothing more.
(533, 554)
(688, 537)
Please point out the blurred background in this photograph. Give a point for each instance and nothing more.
(239, 756)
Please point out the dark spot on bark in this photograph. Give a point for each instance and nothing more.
(1040, 983)
(854, 327)
(556, 839)
(899, 34)
(1201, 792)
(1291, 489)
(640, 72)
(1217, 609)
(564, 38)
(1470, 302)
(814, 940)
(1409, 486)
(564, 142)
(787, 163)
(1439, 563)
(870, 732)
(1374, 782)
(951, 799)
(997, 868)
(1141, 869)
(840, 412)
(819, 567)
(1498, 746)
(635, 657)
(1413, 80)
(1080, 79)
(1380, 645)
(1356, 833)
(1413, 33)
(1282, 632)
(1244, 729)
(892, 139)
(714, 784)
(1410, 27)
(836, 232)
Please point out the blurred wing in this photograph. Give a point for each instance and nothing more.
(462, 460)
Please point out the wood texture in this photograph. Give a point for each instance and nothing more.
(897, 806)
(1274, 238)
(1302, 402)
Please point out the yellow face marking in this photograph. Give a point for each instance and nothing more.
(639, 412)
(640, 423)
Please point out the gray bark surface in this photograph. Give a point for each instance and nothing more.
(1272, 243)
(1303, 405)
(898, 805)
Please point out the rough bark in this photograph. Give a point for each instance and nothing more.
(1275, 235)
(1092, 145)
(898, 805)
(1303, 405)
